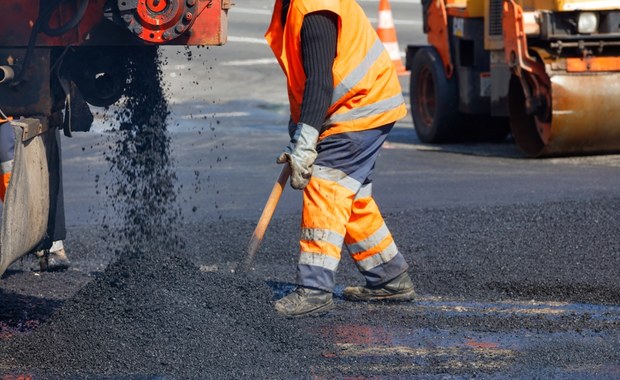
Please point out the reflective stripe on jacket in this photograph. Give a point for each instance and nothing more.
(367, 93)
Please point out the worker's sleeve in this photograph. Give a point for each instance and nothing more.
(7, 145)
(7, 151)
(319, 34)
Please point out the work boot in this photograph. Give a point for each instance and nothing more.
(55, 259)
(304, 302)
(397, 289)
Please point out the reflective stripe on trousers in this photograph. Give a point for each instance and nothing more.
(338, 209)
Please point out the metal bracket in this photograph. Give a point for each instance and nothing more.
(31, 127)
(227, 4)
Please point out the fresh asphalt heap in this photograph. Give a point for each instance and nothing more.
(153, 312)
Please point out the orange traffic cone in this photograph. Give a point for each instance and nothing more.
(387, 35)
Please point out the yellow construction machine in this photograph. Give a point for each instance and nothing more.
(547, 71)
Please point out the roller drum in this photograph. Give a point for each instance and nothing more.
(585, 117)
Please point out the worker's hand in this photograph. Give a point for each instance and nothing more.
(300, 153)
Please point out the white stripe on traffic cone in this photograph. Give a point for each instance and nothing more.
(387, 35)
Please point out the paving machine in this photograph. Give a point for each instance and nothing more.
(547, 71)
(56, 58)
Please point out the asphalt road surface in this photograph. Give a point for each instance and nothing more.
(515, 260)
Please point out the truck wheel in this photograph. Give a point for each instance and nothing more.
(434, 99)
(100, 74)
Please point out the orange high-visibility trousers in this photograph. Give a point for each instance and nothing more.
(339, 212)
(4, 184)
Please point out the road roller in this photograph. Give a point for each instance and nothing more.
(544, 72)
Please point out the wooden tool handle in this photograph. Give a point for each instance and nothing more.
(265, 218)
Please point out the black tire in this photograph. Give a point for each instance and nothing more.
(489, 128)
(434, 99)
(100, 74)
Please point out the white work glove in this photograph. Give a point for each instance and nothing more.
(300, 153)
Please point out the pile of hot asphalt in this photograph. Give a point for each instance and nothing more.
(160, 315)
(152, 312)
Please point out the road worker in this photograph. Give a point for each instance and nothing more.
(7, 148)
(344, 97)
(54, 258)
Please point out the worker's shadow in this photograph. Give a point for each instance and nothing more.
(23, 313)
(281, 289)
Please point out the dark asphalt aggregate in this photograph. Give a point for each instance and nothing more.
(161, 316)
(561, 251)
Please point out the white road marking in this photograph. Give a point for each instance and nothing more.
(253, 11)
(213, 115)
(398, 22)
(249, 40)
(251, 62)
(265, 12)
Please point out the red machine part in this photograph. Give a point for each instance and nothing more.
(18, 19)
(176, 22)
(438, 34)
(159, 21)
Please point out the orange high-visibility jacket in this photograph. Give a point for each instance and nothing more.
(367, 93)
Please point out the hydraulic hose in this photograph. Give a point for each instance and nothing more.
(42, 25)
(72, 23)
